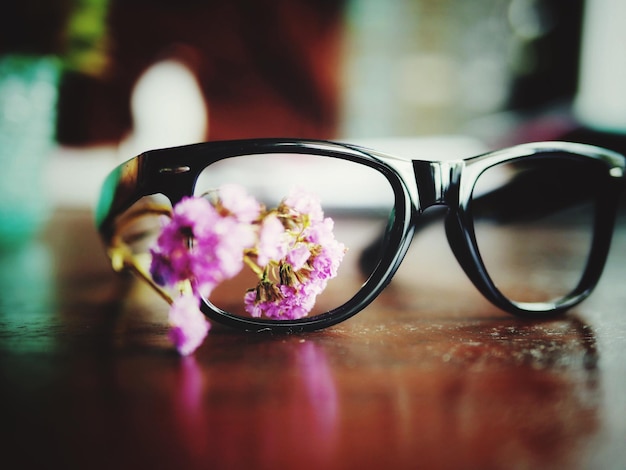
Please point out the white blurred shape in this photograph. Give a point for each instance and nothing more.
(168, 109)
(601, 98)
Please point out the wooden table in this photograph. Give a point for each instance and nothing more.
(429, 376)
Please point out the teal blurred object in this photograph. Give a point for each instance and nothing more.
(28, 298)
(28, 99)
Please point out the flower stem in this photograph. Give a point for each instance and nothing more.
(252, 265)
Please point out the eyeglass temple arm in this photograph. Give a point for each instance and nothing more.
(122, 257)
(123, 260)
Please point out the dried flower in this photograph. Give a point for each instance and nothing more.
(291, 304)
(302, 202)
(311, 259)
(292, 250)
(201, 245)
(188, 325)
(239, 203)
(273, 240)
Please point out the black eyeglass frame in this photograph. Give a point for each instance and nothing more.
(173, 172)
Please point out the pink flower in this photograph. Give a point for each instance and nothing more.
(188, 326)
(326, 263)
(298, 255)
(292, 249)
(200, 245)
(303, 202)
(272, 244)
(294, 303)
(172, 260)
(320, 232)
(312, 258)
(239, 203)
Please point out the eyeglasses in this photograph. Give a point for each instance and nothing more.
(338, 219)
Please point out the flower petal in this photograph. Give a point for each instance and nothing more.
(188, 325)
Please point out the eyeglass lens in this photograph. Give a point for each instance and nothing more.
(357, 198)
(536, 225)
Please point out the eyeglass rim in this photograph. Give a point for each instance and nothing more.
(462, 237)
(133, 176)
(163, 171)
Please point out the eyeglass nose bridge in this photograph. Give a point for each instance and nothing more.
(437, 182)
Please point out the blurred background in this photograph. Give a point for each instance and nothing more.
(311, 68)
(86, 78)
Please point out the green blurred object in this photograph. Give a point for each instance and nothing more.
(86, 37)
(73, 30)
(28, 98)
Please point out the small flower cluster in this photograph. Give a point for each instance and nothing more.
(291, 249)
(298, 254)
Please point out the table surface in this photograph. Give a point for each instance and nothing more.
(428, 376)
